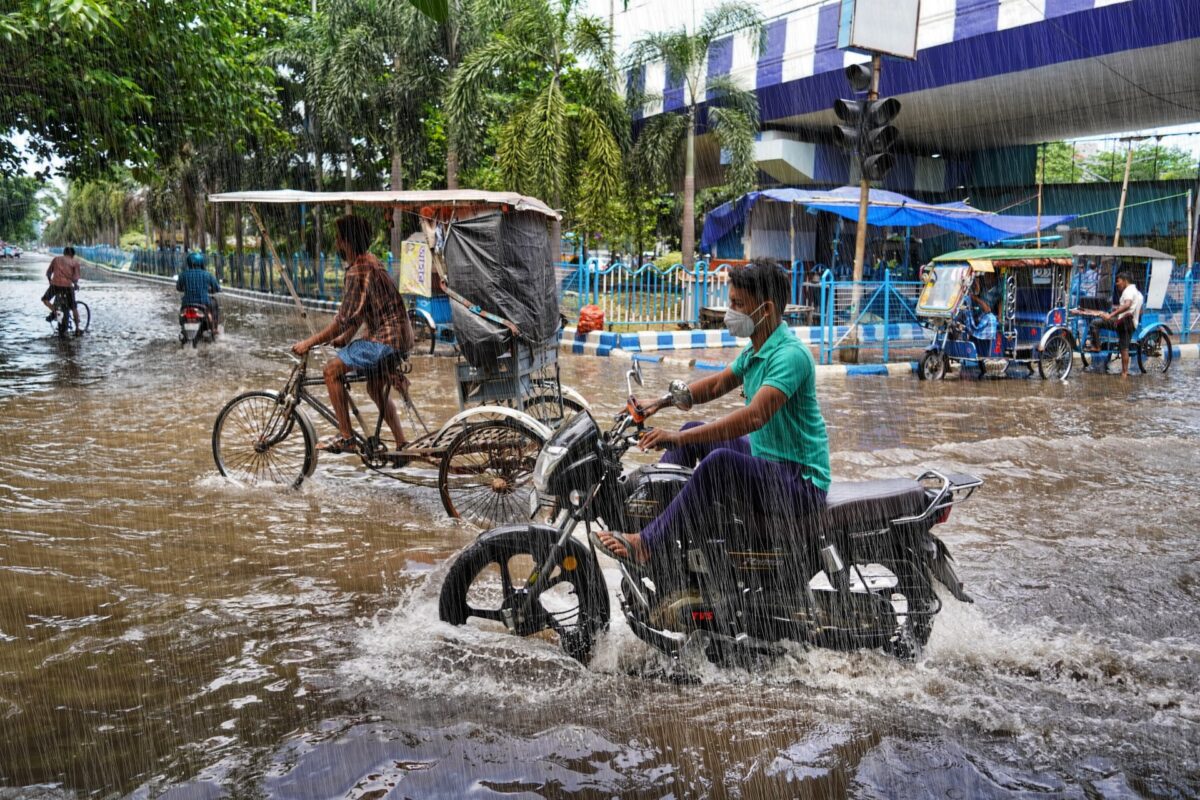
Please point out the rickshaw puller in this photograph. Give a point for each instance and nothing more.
(1123, 319)
(371, 298)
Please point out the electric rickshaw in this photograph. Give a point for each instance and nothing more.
(1028, 291)
(1094, 292)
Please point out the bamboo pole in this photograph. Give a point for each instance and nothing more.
(1124, 194)
(283, 272)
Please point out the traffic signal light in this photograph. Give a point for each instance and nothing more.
(867, 132)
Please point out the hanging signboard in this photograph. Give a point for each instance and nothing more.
(416, 269)
(880, 26)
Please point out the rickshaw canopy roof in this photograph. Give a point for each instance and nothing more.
(1009, 258)
(1099, 251)
(411, 201)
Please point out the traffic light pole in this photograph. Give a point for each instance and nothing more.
(849, 354)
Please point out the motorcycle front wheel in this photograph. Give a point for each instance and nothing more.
(493, 578)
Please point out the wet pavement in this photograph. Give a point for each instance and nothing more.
(164, 633)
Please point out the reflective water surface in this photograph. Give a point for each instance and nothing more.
(163, 633)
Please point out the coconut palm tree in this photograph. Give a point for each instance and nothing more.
(564, 131)
(666, 145)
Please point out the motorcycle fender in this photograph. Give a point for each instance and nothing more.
(573, 548)
(942, 566)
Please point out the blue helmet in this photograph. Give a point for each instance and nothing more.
(195, 260)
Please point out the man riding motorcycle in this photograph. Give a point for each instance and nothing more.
(198, 285)
(773, 453)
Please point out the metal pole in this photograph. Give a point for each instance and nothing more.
(1124, 194)
(1041, 181)
(850, 353)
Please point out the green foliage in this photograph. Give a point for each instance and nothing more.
(18, 208)
(664, 262)
(560, 134)
(88, 91)
(1064, 163)
(732, 110)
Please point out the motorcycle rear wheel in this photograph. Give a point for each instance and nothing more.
(489, 580)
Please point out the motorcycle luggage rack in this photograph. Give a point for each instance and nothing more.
(947, 494)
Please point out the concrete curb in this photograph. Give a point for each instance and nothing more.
(603, 342)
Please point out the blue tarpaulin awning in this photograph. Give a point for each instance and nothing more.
(884, 209)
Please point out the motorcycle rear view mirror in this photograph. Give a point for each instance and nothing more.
(681, 395)
(634, 375)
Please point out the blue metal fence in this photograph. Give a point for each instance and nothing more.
(648, 296)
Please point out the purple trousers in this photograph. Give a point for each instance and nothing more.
(726, 471)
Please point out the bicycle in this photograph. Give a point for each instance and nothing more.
(63, 322)
(485, 456)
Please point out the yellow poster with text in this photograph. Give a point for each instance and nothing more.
(416, 269)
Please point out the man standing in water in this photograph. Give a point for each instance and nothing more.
(63, 274)
(773, 453)
(369, 298)
(1123, 319)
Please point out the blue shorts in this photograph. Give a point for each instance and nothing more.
(362, 355)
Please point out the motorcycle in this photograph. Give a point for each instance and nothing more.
(194, 322)
(860, 574)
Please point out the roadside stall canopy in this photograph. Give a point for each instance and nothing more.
(884, 209)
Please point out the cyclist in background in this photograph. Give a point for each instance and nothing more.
(63, 274)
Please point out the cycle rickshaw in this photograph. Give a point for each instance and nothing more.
(1030, 289)
(1095, 291)
(493, 251)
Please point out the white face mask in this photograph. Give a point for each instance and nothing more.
(741, 325)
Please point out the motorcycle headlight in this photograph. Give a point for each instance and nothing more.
(550, 457)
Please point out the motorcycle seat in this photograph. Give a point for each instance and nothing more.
(853, 505)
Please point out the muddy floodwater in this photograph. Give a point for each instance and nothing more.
(164, 633)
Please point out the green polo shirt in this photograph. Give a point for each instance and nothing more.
(797, 430)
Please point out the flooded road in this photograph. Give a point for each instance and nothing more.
(163, 633)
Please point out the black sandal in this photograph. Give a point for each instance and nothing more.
(337, 444)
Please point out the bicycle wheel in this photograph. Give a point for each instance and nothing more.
(546, 410)
(256, 441)
(486, 474)
(85, 316)
(1154, 353)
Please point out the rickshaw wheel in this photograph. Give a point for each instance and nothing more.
(487, 472)
(421, 329)
(1055, 360)
(1155, 352)
(933, 366)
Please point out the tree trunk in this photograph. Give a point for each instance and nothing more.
(349, 182)
(397, 186)
(201, 222)
(689, 194)
(451, 166)
(218, 234)
(240, 253)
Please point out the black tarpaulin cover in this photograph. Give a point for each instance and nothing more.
(501, 262)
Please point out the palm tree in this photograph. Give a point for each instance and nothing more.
(556, 136)
(670, 138)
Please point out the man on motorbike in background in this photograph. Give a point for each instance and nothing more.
(773, 453)
(198, 285)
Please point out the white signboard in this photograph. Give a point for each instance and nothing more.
(416, 269)
(880, 26)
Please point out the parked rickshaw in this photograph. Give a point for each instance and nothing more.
(1030, 289)
(493, 251)
(1094, 291)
